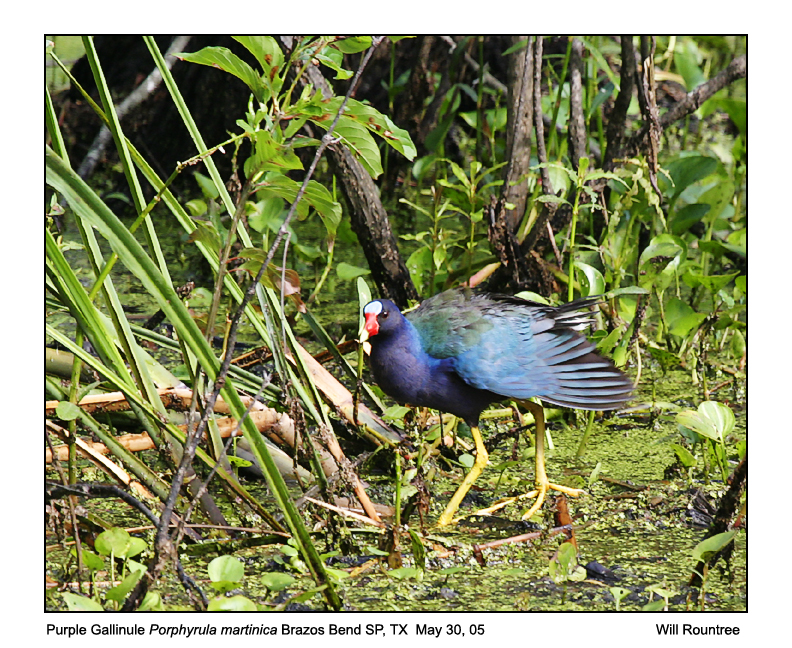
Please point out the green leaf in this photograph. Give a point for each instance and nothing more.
(353, 44)
(115, 541)
(266, 51)
(713, 283)
(327, 60)
(375, 122)
(705, 549)
(681, 318)
(717, 197)
(269, 155)
(67, 411)
(713, 420)
(684, 455)
(687, 65)
(688, 216)
(78, 603)
(358, 139)
(348, 272)
(654, 606)
(120, 591)
(596, 282)
(226, 568)
(316, 196)
(236, 603)
(403, 573)
(688, 170)
(224, 59)
(276, 581)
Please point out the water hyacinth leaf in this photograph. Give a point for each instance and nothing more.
(276, 581)
(236, 603)
(713, 420)
(115, 541)
(78, 603)
(224, 59)
(705, 549)
(67, 411)
(226, 568)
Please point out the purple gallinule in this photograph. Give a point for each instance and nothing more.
(460, 351)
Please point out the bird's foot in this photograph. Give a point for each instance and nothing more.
(538, 494)
(541, 494)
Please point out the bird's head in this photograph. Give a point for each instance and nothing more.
(380, 318)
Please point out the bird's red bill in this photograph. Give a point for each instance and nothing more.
(372, 325)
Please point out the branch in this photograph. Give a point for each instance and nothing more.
(577, 123)
(737, 69)
(615, 132)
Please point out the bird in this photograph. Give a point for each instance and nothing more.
(462, 350)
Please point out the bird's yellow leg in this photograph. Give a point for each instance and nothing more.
(481, 460)
(542, 482)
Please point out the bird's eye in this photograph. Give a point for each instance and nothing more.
(384, 314)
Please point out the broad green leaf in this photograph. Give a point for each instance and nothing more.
(67, 411)
(683, 219)
(348, 272)
(712, 283)
(269, 155)
(706, 548)
(115, 541)
(224, 59)
(327, 59)
(353, 44)
(688, 170)
(717, 197)
(227, 568)
(684, 455)
(681, 318)
(358, 139)
(596, 282)
(375, 122)
(713, 420)
(120, 591)
(266, 51)
(276, 581)
(78, 603)
(686, 63)
(236, 603)
(315, 196)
